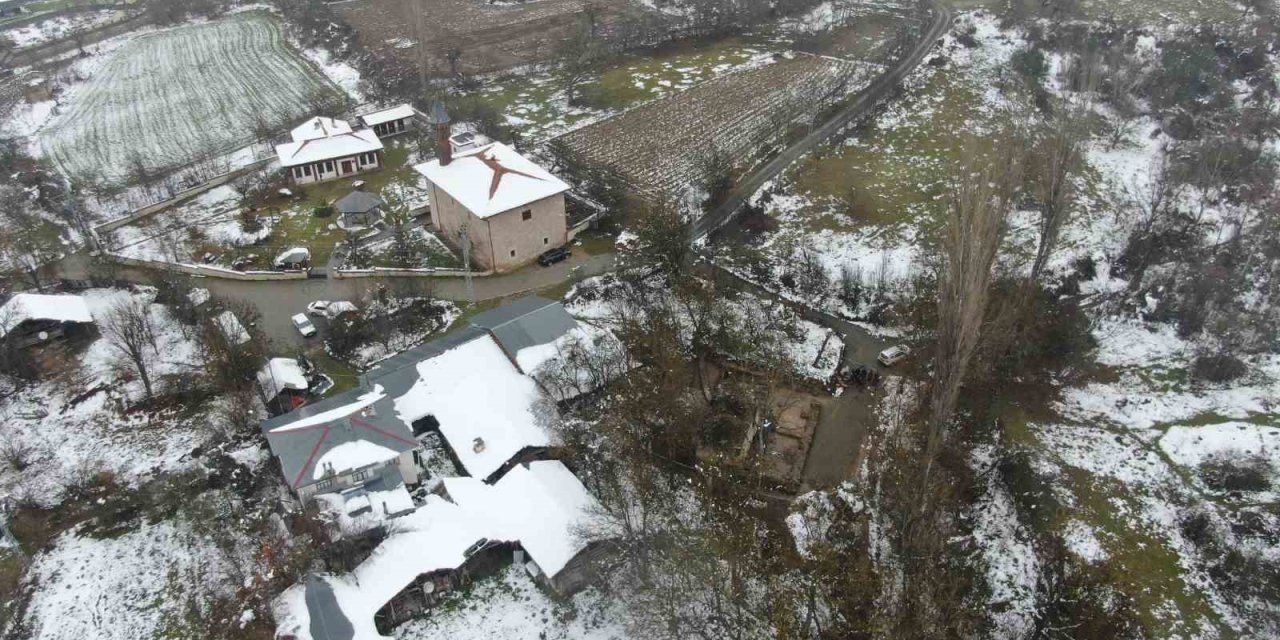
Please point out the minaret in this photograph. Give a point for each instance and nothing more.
(439, 118)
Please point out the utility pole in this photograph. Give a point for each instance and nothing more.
(465, 241)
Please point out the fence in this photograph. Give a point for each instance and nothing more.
(380, 272)
(205, 270)
(157, 207)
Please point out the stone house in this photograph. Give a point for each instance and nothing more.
(509, 209)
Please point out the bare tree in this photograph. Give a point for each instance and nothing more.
(130, 332)
(980, 201)
(1057, 162)
(579, 56)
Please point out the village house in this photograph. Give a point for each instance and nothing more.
(534, 516)
(391, 122)
(28, 319)
(474, 387)
(510, 209)
(327, 149)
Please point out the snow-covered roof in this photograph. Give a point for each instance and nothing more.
(231, 327)
(542, 506)
(319, 127)
(198, 296)
(492, 179)
(281, 374)
(337, 434)
(483, 403)
(33, 306)
(398, 112)
(336, 146)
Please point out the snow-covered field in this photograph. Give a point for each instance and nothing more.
(75, 424)
(36, 34)
(118, 588)
(169, 97)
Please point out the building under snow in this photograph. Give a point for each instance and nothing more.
(511, 209)
(327, 149)
(30, 318)
(359, 449)
(536, 515)
(391, 122)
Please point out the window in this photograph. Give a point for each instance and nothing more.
(359, 476)
(526, 215)
(297, 172)
(306, 170)
(328, 165)
(513, 253)
(546, 240)
(324, 483)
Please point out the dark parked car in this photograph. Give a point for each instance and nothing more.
(553, 256)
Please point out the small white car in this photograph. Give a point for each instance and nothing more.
(893, 355)
(327, 309)
(303, 325)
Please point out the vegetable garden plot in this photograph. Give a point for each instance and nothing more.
(168, 98)
(658, 146)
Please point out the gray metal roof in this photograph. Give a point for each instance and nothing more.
(357, 202)
(327, 620)
(523, 323)
(299, 449)
(526, 322)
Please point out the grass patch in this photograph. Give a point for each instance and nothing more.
(297, 226)
(594, 243)
(345, 377)
(1145, 567)
(890, 175)
(535, 103)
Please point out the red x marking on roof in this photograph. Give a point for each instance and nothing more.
(499, 171)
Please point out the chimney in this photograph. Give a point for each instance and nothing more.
(439, 118)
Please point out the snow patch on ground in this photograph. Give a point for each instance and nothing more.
(510, 606)
(75, 424)
(117, 588)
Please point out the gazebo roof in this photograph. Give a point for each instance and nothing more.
(358, 202)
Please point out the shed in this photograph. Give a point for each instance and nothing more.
(31, 318)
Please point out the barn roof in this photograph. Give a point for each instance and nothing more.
(342, 433)
(33, 306)
(492, 179)
(542, 506)
(526, 322)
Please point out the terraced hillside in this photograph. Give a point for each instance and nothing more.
(658, 146)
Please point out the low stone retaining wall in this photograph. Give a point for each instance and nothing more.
(205, 270)
(383, 272)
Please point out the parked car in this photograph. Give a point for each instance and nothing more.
(329, 309)
(303, 325)
(548, 258)
(893, 355)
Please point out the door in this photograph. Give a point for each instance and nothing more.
(348, 166)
